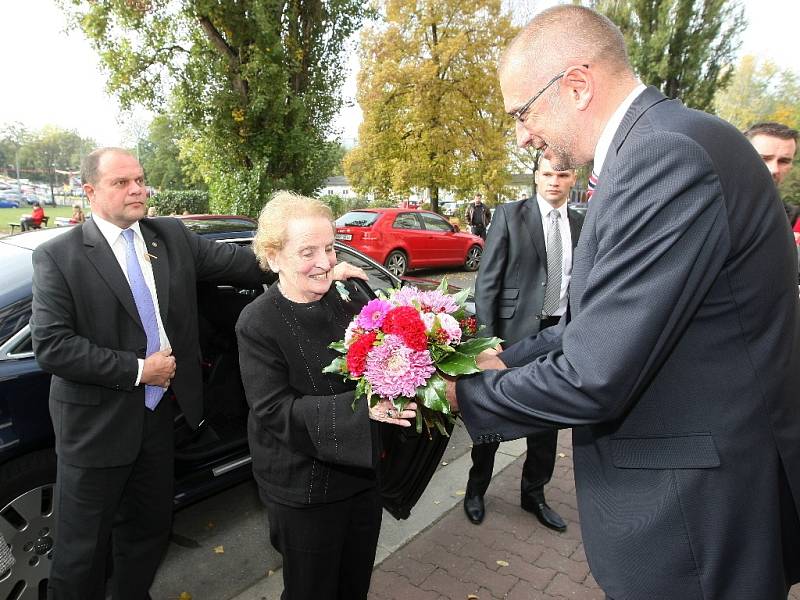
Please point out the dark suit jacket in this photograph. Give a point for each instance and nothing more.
(509, 290)
(87, 333)
(678, 371)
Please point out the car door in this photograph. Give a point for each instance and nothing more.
(445, 247)
(410, 234)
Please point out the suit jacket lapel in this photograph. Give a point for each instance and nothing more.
(646, 100)
(574, 230)
(532, 221)
(159, 260)
(99, 253)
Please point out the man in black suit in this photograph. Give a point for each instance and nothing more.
(678, 368)
(510, 295)
(115, 454)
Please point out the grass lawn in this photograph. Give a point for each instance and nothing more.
(12, 215)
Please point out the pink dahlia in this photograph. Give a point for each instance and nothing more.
(373, 314)
(437, 302)
(450, 326)
(393, 369)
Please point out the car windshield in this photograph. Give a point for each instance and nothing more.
(357, 219)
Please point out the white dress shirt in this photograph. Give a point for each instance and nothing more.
(113, 236)
(566, 247)
(610, 130)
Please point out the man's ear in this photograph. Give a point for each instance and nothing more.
(88, 189)
(579, 82)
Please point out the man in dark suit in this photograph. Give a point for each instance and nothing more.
(679, 365)
(511, 292)
(108, 357)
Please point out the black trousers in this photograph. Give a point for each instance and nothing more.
(328, 549)
(536, 471)
(126, 508)
(479, 230)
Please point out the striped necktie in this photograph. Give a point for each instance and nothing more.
(592, 185)
(147, 312)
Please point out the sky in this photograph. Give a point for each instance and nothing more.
(52, 76)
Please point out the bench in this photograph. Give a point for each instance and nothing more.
(45, 220)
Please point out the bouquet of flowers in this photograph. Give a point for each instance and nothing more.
(398, 346)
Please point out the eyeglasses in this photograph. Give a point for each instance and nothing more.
(522, 112)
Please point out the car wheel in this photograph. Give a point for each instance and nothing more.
(28, 523)
(473, 259)
(396, 263)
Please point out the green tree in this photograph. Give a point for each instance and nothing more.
(433, 112)
(683, 47)
(254, 83)
(51, 149)
(759, 92)
(161, 158)
(763, 92)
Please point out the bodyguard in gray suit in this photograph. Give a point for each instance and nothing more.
(679, 370)
(518, 292)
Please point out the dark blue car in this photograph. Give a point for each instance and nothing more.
(207, 460)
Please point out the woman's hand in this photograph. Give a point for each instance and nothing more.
(386, 412)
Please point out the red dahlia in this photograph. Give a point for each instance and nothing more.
(405, 322)
(357, 353)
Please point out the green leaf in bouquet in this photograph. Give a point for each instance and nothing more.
(338, 346)
(432, 394)
(461, 297)
(338, 365)
(458, 364)
(362, 387)
(475, 346)
(443, 286)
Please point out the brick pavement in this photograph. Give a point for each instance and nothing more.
(510, 556)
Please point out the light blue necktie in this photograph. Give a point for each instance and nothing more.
(147, 312)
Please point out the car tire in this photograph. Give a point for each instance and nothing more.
(473, 259)
(28, 523)
(396, 263)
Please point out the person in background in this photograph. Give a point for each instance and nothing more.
(776, 143)
(314, 456)
(152, 212)
(77, 214)
(478, 216)
(522, 288)
(33, 220)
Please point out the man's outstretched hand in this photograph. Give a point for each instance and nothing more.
(486, 360)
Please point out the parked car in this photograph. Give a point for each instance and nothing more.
(403, 239)
(8, 203)
(207, 460)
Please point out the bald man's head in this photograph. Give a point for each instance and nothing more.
(567, 35)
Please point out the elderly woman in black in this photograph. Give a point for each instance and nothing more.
(314, 457)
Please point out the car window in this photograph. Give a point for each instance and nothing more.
(435, 222)
(14, 317)
(378, 278)
(357, 218)
(406, 221)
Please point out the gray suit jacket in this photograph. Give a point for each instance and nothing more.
(509, 290)
(679, 370)
(86, 331)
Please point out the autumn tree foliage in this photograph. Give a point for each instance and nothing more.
(433, 112)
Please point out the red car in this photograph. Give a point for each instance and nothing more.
(403, 239)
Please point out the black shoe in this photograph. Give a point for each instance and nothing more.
(546, 515)
(473, 506)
